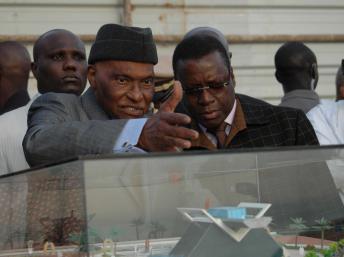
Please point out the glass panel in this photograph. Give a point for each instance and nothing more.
(271, 203)
(140, 199)
(43, 211)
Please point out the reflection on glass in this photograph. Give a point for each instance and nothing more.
(30, 246)
(132, 206)
(109, 248)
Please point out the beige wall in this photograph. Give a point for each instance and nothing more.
(253, 62)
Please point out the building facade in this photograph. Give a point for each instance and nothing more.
(255, 29)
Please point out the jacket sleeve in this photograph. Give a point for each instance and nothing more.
(305, 134)
(58, 129)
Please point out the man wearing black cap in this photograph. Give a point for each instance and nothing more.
(121, 75)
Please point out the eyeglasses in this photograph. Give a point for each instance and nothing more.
(213, 88)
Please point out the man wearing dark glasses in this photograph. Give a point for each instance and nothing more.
(225, 119)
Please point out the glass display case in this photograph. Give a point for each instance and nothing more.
(253, 203)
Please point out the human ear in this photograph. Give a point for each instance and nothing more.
(91, 74)
(315, 74)
(34, 69)
(278, 76)
(341, 93)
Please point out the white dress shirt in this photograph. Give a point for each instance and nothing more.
(327, 119)
(129, 137)
(13, 126)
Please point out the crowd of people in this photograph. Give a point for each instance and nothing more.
(199, 110)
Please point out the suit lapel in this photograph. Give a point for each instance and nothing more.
(202, 141)
(248, 113)
(91, 107)
(95, 112)
(238, 125)
(254, 115)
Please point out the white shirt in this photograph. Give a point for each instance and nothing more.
(229, 120)
(13, 126)
(129, 137)
(327, 119)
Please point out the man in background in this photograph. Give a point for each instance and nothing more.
(59, 66)
(327, 117)
(297, 71)
(14, 75)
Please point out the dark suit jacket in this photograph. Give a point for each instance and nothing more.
(62, 126)
(295, 189)
(257, 124)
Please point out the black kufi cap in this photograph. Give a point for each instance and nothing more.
(121, 43)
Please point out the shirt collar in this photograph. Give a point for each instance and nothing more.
(230, 117)
(304, 93)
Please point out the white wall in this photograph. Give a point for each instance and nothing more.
(253, 62)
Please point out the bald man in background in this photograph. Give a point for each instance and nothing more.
(297, 72)
(14, 75)
(59, 63)
(59, 66)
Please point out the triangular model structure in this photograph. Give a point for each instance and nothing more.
(209, 235)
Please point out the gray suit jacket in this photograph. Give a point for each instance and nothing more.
(62, 126)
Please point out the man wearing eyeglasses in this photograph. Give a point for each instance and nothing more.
(109, 116)
(223, 118)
